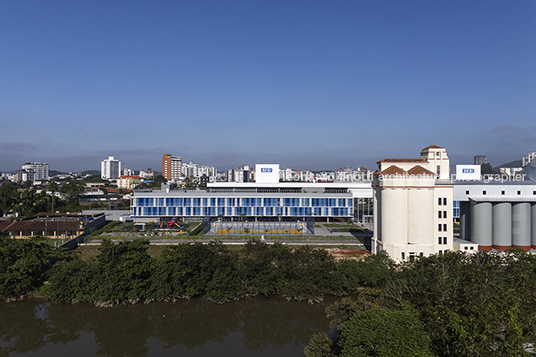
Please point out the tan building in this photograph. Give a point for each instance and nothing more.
(413, 205)
(171, 167)
(129, 181)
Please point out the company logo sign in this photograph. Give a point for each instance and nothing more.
(266, 169)
(468, 171)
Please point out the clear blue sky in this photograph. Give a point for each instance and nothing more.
(306, 84)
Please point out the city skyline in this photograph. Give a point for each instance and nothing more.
(307, 85)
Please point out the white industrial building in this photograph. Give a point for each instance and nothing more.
(499, 214)
(413, 205)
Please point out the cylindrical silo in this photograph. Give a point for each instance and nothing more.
(533, 225)
(481, 227)
(521, 225)
(502, 226)
(420, 216)
(394, 216)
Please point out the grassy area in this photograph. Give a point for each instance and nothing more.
(91, 252)
(344, 227)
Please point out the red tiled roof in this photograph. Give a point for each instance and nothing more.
(393, 170)
(433, 147)
(419, 170)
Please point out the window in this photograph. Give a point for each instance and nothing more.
(471, 248)
(465, 248)
(439, 214)
(444, 201)
(502, 193)
(403, 256)
(484, 192)
(519, 192)
(466, 192)
(534, 192)
(444, 240)
(440, 252)
(438, 170)
(439, 227)
(421, 254)
(439, 201)
(439, 240)
(444, 228)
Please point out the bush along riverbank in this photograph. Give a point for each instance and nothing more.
(124, 272)
(444, 305)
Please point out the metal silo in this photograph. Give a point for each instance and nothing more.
(521, 216)
(502, 226)
(481, 228)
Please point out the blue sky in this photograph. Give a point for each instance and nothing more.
(306, 84)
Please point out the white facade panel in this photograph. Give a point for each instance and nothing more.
(267, 173)
(468, 173)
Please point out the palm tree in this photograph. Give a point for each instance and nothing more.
(53, 187)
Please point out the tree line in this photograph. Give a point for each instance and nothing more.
(444, 305)
(125, 271)
(26, 200)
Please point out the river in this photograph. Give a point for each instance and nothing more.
(250, 327)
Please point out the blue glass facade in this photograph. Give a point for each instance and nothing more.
(456, 209)
(291, 206)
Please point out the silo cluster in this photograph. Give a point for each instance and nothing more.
(503, 225)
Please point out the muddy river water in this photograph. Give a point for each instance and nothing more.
(249, 327)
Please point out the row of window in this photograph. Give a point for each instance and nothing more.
(484, 192)
(441, 240)
(441, 201)
(441, 227)
(242, 202)
(441, 214)
(238, 211)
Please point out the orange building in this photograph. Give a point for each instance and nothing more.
(171, 167)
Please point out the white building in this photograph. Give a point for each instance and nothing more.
(528, 158)
(37, 171)
(413, 205)
(110, 168)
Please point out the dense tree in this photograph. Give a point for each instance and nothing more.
(8, 197)
(384, 332)
(73, 190)
(473, 305)
(22, 263)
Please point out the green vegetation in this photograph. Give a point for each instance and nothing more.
(26, 201)
(22, 265)
(444, 305)
(127, 272)
(345, 227)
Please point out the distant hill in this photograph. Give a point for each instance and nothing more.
(516, 163)
(91, 172)
(52, 173)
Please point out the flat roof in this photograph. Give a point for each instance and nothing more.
(350, 185)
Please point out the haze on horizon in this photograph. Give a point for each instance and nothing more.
(306, 84)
